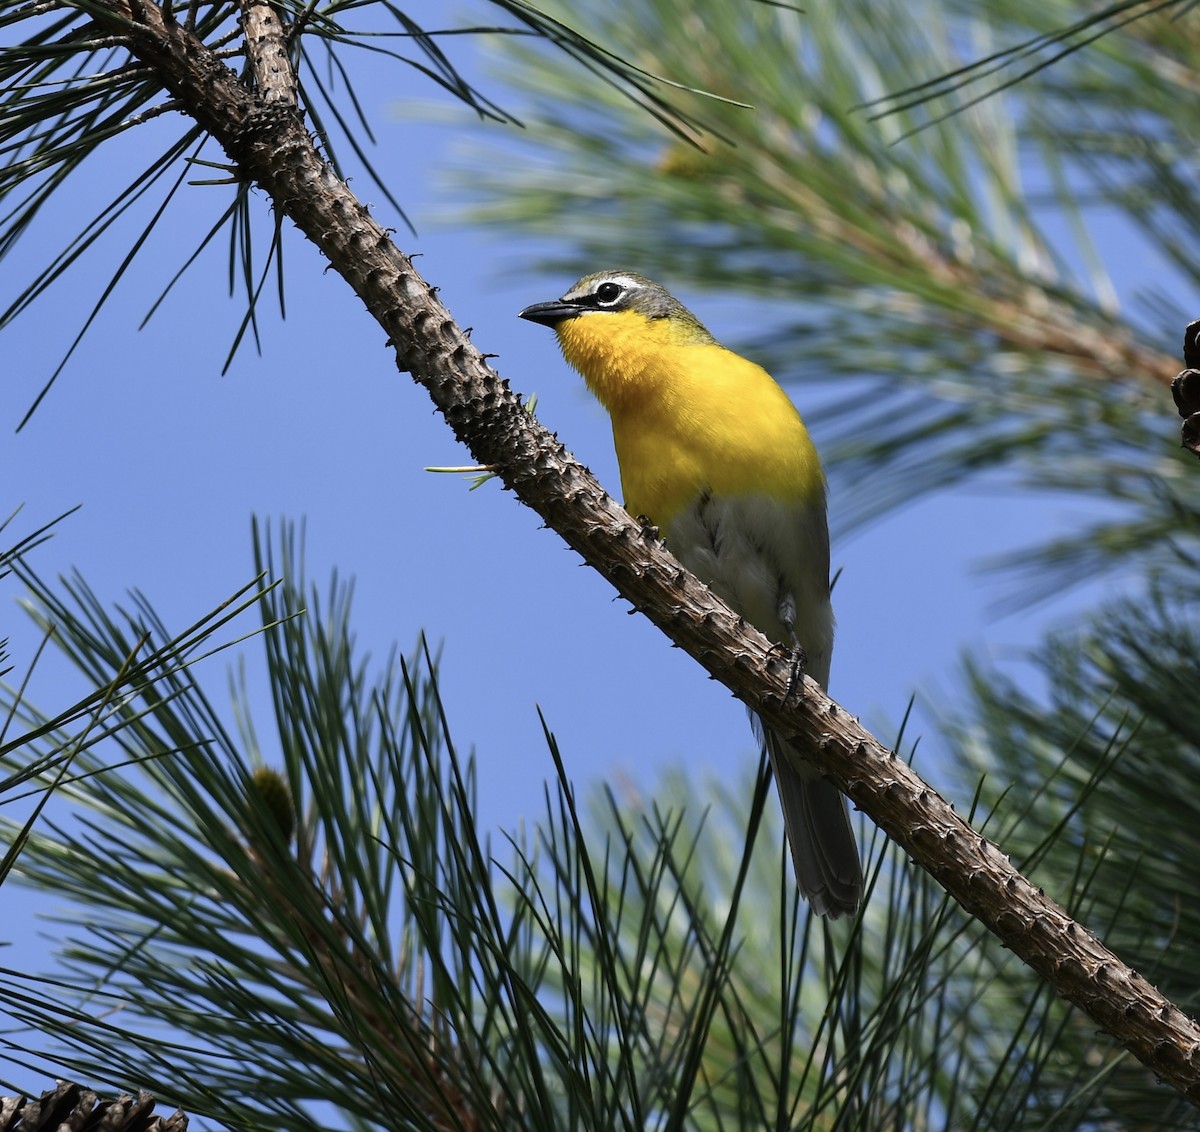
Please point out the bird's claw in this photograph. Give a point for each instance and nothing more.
(649, 529)
(797, 660)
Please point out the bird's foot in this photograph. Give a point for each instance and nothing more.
(648, 528)
(797, 660)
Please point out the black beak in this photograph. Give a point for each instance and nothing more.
(548, 314)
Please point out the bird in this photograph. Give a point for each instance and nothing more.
(714, 454)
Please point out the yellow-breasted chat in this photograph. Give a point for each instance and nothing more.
(714, 454)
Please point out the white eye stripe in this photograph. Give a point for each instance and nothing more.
(623, 281)
(627, 284)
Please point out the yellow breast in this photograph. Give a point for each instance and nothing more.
(689, 416)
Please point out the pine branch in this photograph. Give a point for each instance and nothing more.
(269, 145)
(267, 48)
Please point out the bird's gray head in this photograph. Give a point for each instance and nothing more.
(613, 292)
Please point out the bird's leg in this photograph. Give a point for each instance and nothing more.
(799, 658)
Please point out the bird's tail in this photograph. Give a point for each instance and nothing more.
(817, 821)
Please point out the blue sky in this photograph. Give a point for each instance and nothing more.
(170, 460)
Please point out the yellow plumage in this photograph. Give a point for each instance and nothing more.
(714, 453)
(676, 400)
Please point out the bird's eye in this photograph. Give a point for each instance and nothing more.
(608, 293)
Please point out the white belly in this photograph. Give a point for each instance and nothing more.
(757, 553)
